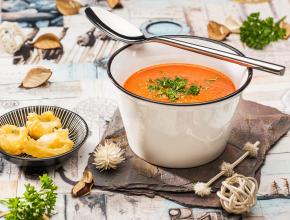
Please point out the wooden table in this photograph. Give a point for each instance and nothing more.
(84, 88)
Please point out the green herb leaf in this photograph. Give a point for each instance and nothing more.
(257, 33)
(173, 89)
(193, 90)
(34, 204)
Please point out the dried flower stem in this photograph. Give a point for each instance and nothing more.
(251, 150)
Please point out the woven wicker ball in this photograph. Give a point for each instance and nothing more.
(238, 194)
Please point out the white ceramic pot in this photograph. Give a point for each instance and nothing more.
(176, 135)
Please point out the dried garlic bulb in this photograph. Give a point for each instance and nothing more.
(11, 37)
(108, 156)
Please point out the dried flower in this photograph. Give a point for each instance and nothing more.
(11, 37)
(108, 156)
(202, 189)
(252, 148)
(227, 168)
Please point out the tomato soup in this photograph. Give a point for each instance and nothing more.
(179, 83)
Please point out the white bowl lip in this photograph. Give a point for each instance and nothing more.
(235, 93)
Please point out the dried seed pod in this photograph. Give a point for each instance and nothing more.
(84, 186)
(217, 31)
(81, 189)
(114, 4)
(68, 7)
(36, 77)
(47, 41)
(88, 177)
(77, 189)
(286, 26)
(275, 187)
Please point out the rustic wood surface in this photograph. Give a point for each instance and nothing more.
(83, 87)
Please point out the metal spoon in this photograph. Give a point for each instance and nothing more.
(120, 29)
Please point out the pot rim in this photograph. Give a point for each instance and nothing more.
(233, 94)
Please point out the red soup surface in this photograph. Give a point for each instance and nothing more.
(179, 83)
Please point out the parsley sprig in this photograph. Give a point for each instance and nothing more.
(173, 89)
(257, 33)
(34, 204)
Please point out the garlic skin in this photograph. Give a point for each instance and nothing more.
(108, 156)
(202, 189)
(232, 23)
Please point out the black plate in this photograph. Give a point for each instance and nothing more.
(78, 133)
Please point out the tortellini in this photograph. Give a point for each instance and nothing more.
(43, 136)
(49, 145)
(13, 139)
(39, 125)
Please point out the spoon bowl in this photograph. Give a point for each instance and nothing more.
(114, 26)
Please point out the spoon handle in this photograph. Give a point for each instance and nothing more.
(230, 57)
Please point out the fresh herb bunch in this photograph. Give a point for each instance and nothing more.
(173, 89)
(258, 33)
(34, 204)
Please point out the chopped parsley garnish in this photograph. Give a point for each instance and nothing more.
(173, 89)
(193, 90)
(257, 33)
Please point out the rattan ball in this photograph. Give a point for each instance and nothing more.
(238, 194)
